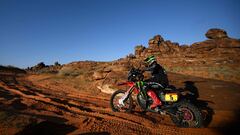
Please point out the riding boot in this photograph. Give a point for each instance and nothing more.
(156, 100)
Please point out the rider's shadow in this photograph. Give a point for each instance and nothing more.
(190, 86)
(203, 105)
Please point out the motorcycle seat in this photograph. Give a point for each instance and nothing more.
(155, 85)
(170, 88)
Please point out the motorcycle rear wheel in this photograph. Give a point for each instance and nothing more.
(187, 116)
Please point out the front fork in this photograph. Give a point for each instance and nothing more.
(125, 96)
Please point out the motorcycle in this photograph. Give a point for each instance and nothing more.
(182, 112)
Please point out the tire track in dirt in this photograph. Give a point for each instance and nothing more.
(76, 103)
(68, 107)
(92, 113)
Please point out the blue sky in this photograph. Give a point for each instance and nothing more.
(32, 31)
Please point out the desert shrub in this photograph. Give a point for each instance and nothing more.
(220, 70)
(166, 68)
(224, 72)
(41, 65)
(57, 64)
(177, 69)
(139, 47)
(46, 71)
(180, 69)
(131, 56)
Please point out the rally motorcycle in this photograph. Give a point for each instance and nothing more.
(182, 112)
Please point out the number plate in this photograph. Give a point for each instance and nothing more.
(171, 97)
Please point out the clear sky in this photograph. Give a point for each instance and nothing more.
(32, 31)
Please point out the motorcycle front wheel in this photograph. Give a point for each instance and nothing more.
(117, 106)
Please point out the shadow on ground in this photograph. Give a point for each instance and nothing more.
(232, 127)
(47, 128)
(96, 133)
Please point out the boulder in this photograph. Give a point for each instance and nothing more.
(97, 75)
(155, 41)
(158, 38)
(169, 47)
(106, 89)
(216, 33)
(139, 49)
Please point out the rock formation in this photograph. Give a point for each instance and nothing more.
(42, 68)
(216, 33)
(218, 44)
(217, 57)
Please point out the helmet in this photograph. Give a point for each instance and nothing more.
(149, 60)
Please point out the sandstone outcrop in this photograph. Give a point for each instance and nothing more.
(218, 44)
(216, 33)
(217, 57)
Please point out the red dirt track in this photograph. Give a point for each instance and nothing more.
(27, 107)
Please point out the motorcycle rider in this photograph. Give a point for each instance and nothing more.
(158, 76)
